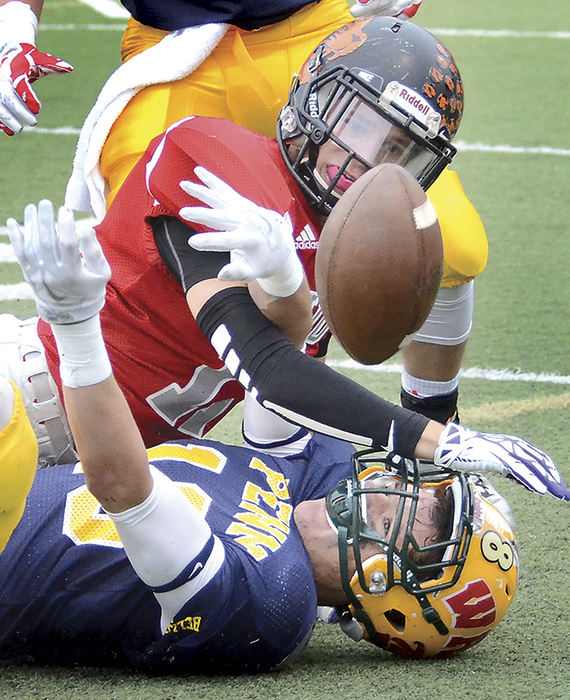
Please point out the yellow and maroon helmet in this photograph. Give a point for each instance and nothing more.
(432, 600)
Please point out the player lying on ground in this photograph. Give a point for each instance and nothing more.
(230, 550)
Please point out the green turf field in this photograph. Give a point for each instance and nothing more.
(513, 161)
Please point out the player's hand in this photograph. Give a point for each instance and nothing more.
(466, 450)
(20, 66)
(260, 241)
(68, 275)
(387, 8)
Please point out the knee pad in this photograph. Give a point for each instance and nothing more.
(450, 319)
(22, 359)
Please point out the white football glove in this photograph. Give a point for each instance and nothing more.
(388, 8)
(68, 275)
(260, 241)
(467, 450)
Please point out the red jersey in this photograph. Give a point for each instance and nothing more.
(172, 377)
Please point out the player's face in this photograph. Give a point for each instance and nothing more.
(320, 536)
(380, 510)
(365, 132)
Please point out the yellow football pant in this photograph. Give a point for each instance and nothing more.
(246, 79)
(18, 460)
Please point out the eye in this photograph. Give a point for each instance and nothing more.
(388, 152)
(386, 524)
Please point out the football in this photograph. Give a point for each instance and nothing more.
(379, 263)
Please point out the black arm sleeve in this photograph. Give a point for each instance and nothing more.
(298, 387)
(188, 266)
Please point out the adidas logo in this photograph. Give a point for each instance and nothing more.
(306, 240)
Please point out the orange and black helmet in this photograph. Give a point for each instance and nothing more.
(384, 80)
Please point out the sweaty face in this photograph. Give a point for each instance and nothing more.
(375, 139)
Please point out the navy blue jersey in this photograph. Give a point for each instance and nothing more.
(69, 595)
(177, 14)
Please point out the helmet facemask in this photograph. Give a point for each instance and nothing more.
(401, 561)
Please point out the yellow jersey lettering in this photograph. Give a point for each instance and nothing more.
(253, 540)
(260, 531)
(275, 480)
(254, 493)
(265, 522)
(84, 521)
(200, 456)
(191, 624)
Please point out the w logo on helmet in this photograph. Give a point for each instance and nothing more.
(473, 606)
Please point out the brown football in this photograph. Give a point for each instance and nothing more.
(379, 263)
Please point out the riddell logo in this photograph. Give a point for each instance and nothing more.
(306, 240)
(414, 101)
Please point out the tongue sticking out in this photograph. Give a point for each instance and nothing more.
(343, 182)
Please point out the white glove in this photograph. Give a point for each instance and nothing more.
(21, 64)
(68, 275)
(466, 450)
(389, 8)
(260, 241)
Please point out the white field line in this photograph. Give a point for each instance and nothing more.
(493, 375)
(499, 33)
(82, 27)
(464, 147)
(57, 131)
(107, 8)
(13, 292)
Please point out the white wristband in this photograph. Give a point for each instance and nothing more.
(83, 358)
(18, 25)
(285, 282)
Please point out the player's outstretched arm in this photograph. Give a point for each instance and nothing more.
(322, 400)
(161, 531)
(68, 276)
(21, 64)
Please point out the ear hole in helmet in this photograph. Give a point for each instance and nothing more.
(396, 619)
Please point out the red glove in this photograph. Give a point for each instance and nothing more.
(18, 70)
